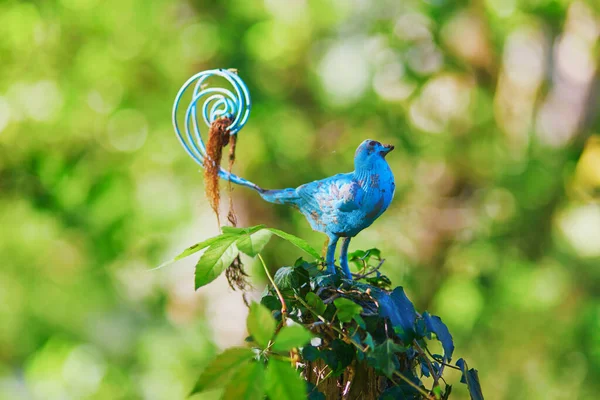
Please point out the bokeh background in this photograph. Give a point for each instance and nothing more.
(493, 108)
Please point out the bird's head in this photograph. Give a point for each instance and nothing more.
(370, 152)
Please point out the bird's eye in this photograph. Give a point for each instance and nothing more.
(372, 143)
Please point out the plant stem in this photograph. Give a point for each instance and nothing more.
(283, 305)
(429, 365)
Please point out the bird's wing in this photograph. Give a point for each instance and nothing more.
(339, 192)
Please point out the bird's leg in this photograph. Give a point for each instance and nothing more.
(344, 257)
(330, 258)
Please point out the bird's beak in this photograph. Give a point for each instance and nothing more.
(386, 149)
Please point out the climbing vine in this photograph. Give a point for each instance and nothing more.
(318, 336)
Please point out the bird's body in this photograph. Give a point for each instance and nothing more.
(344, 204)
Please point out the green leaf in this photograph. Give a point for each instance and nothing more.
(254, 243)
(283, 381)
(286, 278)
(248, 383)
(291, 337)
(296, 241)
(383, 357)
(261, 324)
(216, 372)
(347, 309)
(242, 231)
(215, 260)
(310, 353)
(196, 248)
(339, 356)
(315, 302)
(359, 321)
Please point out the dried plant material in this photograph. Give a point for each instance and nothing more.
(218, 137)
(231, 217)
(236, 276)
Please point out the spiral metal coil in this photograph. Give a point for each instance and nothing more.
(217, 102)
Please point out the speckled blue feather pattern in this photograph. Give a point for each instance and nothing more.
(344, 204)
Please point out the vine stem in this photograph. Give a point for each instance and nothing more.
(283, 305)
(359, 346)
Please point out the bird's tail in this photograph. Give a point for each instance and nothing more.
(218, 102)
(280, 196)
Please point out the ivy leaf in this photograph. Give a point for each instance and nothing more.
(339, 356)
(347, 309)
(399, 309)
(252, 244)
(221, 368)
(285, 278)
(310, 353)
(435, 325)
(195, 248)
(261, 324)
(283, 382)
(471, 378)
(315, 302)
(402, 392)
(215, 260)
(296, 241)
(247, 383)
(290, 337)
(383, 357)
(271, 302)
(313, 392)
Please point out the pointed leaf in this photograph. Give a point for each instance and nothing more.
(315, 302)
(261, 324)
(215, 260)
(347, 309)
(253, 244)
(220, 369)
(399, 309)
(384, 359)
(435, 325)
(248, 383)
(283, 381)
(339, 356)
(196, 248)
(286, 278)
(296, 241)
(242, 231)
(471, 378)
(290, 337)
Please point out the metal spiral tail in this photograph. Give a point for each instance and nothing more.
(213, 103)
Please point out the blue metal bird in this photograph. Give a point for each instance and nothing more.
(340, 206)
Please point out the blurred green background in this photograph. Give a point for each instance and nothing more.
(493, 108)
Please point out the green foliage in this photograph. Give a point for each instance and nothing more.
(223, 249)
(215, 260)
(291, 337)
(358, 323)
(220, 369)
(248, 383)
(346, 309)
(384, 357)
(283, 382)
(315, 303)
(261, 324)
(249, 373)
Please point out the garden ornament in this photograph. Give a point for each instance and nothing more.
(340, 206)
